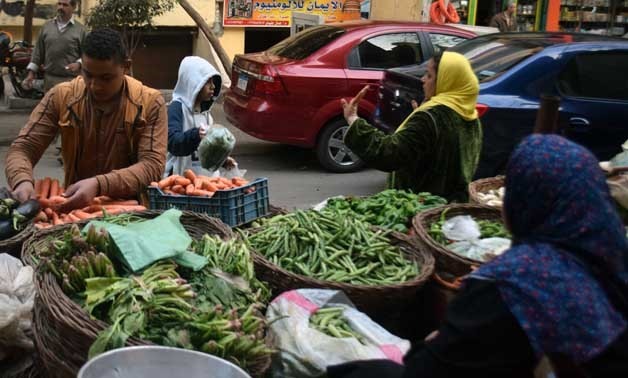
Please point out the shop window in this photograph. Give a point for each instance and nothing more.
(388, 51)
(595, 76)
(441, 42)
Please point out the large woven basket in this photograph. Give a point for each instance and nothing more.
(13, 245)
(483, 186)
(388, 305)
(447, 260)
(64, 332)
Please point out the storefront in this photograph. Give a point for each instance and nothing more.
(608, 17)
(264, 23)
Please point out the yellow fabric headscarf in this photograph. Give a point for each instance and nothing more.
(457, 87)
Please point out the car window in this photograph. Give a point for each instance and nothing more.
(387, 51)
(306, 42)
(441, 42)
(490, 59)
(595, 75)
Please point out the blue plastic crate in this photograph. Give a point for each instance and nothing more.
(234, 207)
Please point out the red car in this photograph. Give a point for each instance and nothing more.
(291, 92)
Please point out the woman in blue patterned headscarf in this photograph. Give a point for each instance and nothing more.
(560, 291)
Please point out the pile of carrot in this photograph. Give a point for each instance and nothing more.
(191, 184)
(50, 196)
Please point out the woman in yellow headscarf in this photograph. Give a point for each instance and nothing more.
(437, 148)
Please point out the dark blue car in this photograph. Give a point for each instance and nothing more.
(589, 73)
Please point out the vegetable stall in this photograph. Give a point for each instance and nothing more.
(116, 274)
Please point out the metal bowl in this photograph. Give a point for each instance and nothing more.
(159, 362)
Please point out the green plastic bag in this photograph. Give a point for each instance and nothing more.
(143, 243)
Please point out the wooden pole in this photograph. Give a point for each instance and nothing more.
(200, 22)
(547, 116)
(28, 21)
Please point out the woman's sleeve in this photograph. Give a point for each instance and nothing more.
(180, 143)
(480, 338)
(392, 152)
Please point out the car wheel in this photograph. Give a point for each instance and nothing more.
(332, 152)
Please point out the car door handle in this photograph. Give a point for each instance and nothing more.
(579, 122)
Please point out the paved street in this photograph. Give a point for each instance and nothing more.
(295, 178)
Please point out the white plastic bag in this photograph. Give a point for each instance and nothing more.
(17, 294)
(232, 172)
(465, 231)
(307, 352)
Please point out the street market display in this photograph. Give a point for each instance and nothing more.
(15, 216)
(49, 193)
(191, 184)
(215, 309)
(391, 209)
(322, 246)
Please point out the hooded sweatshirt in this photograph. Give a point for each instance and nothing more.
(184, 119)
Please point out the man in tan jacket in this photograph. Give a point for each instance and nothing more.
(114, 130)
(506, 21)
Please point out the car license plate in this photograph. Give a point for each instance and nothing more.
(243, 81)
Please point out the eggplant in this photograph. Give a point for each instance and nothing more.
(6, 229)
(29, 209)
(5, 193)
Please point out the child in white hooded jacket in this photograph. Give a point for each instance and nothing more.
(198, 86)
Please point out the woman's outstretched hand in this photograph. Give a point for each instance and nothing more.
(350, 109)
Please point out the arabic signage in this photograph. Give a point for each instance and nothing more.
(277, 13)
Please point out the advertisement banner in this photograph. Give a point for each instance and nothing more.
(277, 13)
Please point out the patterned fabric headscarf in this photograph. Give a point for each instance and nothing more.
(570, 255)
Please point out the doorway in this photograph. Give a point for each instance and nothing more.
(486, 9)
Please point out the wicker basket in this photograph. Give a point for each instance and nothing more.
(388, 305)
(446, 260)
(483, 186)
(64, 332)
(13, 245)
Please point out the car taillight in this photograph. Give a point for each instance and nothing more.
(268, 82)
(482, 109)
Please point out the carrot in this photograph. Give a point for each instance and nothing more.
(54, 188)
(55, 219)
(43, 225)
(210, 186)
(56, 200)
(125, 208)
(37, 187)
(224, 180)
(41, 217)
(121, 203)
(190, 175)
(189, 190)
(222, 186)
(168, 181)
(80, 214)
(203, 193)
(178, 189)
(182, 181)
(48, 211)
(61, 190)
(45, 188)
(198, 183)
(101, 199)
(73, 218)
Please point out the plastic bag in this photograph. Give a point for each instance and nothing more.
(481, 249)
(232, 172)
(17, 294)
(465, 231)
(307, 352)
(215, 148)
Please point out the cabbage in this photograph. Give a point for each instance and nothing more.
(215, 148)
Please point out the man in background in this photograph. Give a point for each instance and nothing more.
(58, 48)
(506, 20)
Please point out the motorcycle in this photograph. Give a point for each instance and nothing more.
(15, 57)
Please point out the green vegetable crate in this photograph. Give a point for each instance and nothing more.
(234, 207)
